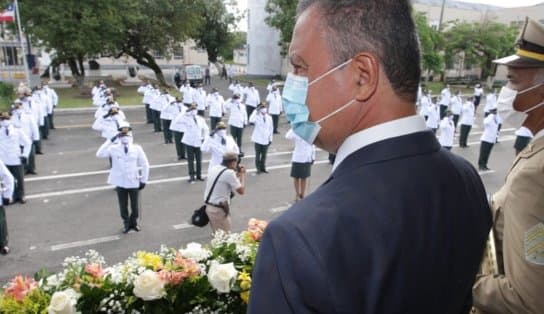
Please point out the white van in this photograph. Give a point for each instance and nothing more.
(193, 73)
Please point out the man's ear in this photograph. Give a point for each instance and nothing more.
(367, 75)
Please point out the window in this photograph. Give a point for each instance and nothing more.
(158, 54)
(178, 52)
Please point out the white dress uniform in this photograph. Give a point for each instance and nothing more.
(195, 128)
(445, 97)
(7, 192)
(467, 113)
(216, 104)
(433, 116)
(170, 110)
(217, 145)
(424, 105)
(252, 97)
(456, 105)
(53, 97)
(149, 92)
(26, 123)
(237, 113)
(199, 97)
(303, 152)
(275, 104)
(11, 141)
(236, 88)
(37, 104)
(447, 131)
(177, 124)
(490, 102)
(187, 92)
(32, 109)
(109, 126)
(127, 169)
(263, 131)
(491, 126)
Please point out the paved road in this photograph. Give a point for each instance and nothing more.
(71, 209)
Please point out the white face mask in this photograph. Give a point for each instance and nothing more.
(263, 111)
(125, 140)
(505, 105)
(222, 133)
(5, 123)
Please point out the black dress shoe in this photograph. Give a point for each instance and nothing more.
(22, 200)
(126, 230)
(265, 171)
(31, 172)
(39, 153)
(4, 250)
(136, 228)
(200, 179)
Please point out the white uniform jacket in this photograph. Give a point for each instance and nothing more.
(467, 113)
(11, 141)
(456, 105)
(491, 126)
(216, 105)
(187, 92)
(127, 169)
(447, 131)
(196, 130)
(252, 97)
(303, 151)
(237, 113)
(199, 97)
(264, 128)
(177, 123)
(214, 145)
(8, 183)
(275, 105)
(433, 116)
(26, 123)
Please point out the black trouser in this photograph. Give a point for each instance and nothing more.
(237, 135)
(455, 120)
(50, 119)
(166, 130)
(148, 114)
(275, 120)
(260, 157)
(465, 129)
(156, 120)
(19, 190)
(249, 110)
(214, 121)
(3, 228)
(201, 112)
(123, 195)
(194, 155)
(31, 161)
(38, 146)
(207, 80)
(180, 147)
(485, 151)
(44, 129)
(477, 102)
(443, 109)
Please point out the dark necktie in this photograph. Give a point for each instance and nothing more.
(264, 118)
(194, 119)
(223, 141)
(7, 131)
(126, 149)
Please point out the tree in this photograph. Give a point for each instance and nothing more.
(238, 41)
(72, 30)
(430, 41)
(282, 17)
(215, 33)
(481, 42)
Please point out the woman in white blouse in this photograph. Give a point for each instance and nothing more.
(302, 160)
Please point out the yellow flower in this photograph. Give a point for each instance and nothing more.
(245, 280)
(245, 296)
(149, 260)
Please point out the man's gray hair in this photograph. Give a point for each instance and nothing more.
(384, 28)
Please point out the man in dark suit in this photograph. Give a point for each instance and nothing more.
(400, 225)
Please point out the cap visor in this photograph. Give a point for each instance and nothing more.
(516, 61)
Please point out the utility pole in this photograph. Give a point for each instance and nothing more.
(27, 72)
(441, 15)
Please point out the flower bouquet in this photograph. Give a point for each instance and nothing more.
(195, 279)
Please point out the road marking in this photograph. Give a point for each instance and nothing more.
(280, 209)
(502, 130)
(183, 226)
(70, 245)
(501, 139)
(169, 180)
(81, 126)
(98, 172)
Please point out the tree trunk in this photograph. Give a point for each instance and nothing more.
(76, 72)
(147, 60)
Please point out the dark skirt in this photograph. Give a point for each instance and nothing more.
(301, 170)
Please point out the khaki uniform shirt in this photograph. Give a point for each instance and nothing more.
(518, 208)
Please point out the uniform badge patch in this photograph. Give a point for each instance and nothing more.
(534, 245)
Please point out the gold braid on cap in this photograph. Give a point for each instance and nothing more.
(530, 54)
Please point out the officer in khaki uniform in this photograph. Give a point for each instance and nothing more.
(518, 207)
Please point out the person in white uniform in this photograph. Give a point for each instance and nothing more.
(26, 123)
(187, 90)
(275, 106)
(262, 136)
(447, 131)
(217, 144)
(456, 106)
(178, 128)
(490, 102)
(7, 192)
(237, 119)
(216, 103)
(129, 173)
(445, 97)
(251, 98)
(301, 163)
(53, 102)
(168, 113)
(433, 116)
(14, 150)
(488, 139)
(199, 97)
(196, 131)
(467, 120)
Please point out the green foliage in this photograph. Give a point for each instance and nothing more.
(431, 42)
(282, 17)
(7, 94)
(215, 32)
(36, 302)
(480, 42)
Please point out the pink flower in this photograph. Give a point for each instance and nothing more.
(256, 228)
(189, 267)
(172, 277)
(94, 270)
(19, 287)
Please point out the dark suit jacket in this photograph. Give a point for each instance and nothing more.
(399, 227)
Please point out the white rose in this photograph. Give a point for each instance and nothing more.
(221, 276)
(148, 286)
(195, 252)
(62, 302)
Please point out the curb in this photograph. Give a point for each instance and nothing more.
(93, 109)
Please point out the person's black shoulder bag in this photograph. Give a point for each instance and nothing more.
(200, 218)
